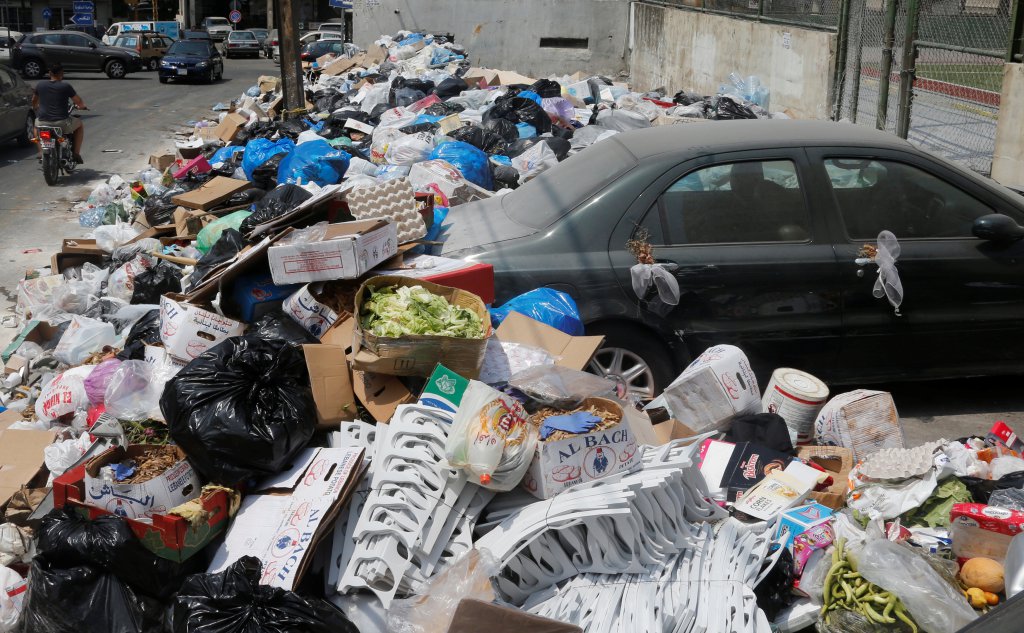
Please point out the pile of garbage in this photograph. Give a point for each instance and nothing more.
(254, 401)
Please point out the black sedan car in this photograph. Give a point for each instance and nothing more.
(17, 121)
(763, 224)
(314, 50)
(77, 52)
(192, 59)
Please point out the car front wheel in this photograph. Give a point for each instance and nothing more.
(116, 69)
(32, 69)
(636, 362)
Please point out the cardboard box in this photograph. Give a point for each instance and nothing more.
(59, 262)
(283, 526)
(573, 352)
(798, 520)
(256, 294)
(561, 464)
(472, 277)
(980, 530)
(276, 107)
(82, 246)
(380, 394)
(198, 165)
(229, 127)
(349, 250)
(314, 316)
(671, 430)
(474, 616)
(160, 162)
(187, 330)
(267, 83)
(188, 222)
(748, 464)
(718, 385)
(211, 193)
(39, 332)
(444, 390)
(168, 536)
(163, 362)
(863, 421)
(178, 484)
(21, 458)
(331, 381)
(416, 355)
(837, 462)
(772, 496)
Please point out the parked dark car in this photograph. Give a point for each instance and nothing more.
(192, 59)
(17, 121)
(241, 43)
(77, 52)
(762, 224)
(94, 30)
(314, 50)
(196, 35)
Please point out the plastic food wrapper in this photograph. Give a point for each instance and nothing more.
(491, 438)
(83, 338)
(1009, 498)
(234, 601)
(133, 392)
(504, 359)
(433, 609)
(888, 501)
(241, 409)
(562, 388)
(935, 604)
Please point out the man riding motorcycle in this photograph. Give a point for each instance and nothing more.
(50, 102)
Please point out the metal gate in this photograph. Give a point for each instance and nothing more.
(928, 70)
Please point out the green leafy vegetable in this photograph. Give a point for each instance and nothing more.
(934, 512)
(392, 311)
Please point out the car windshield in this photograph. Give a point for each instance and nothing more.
(126, 42)
(242, 35)
(216, 21)
(189, 48)
(562, 188)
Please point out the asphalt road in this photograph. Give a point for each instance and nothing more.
(135, 117)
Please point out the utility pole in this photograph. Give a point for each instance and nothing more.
(291, 66)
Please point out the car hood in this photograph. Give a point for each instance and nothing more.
(480, 223)
(185, 59)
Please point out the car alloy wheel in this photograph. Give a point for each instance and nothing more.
(627, 370)
(154, 63)
(33, 69)
(116, 69)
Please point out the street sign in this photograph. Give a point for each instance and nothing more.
(235, 17)
(83, 6)
(340, 4)
(82, 18)
(47, 13)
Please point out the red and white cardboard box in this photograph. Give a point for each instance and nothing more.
(348, 250)
(980, 530)
(472, 277)
(187, 330)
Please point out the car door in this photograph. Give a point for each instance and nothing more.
(79, 52)
(9, 123)
(50, 46)
(962, 297)
(754, 265)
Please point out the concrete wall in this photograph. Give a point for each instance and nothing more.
(679, 49)
(1008, 158)
(506, 35)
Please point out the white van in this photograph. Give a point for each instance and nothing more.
(170, 29)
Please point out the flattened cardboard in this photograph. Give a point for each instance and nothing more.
(348, 250)
(227, 130)
(39, 332)
(21, 458)
(670, 430)
(380, 394)
(331, 381)
(83, 246)
(267, 83)
(160, 162)
(211, 193)
(473, 616)
(573, 352)
(837, 462)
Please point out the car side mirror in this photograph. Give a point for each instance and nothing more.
(996, 227)
(92, 44)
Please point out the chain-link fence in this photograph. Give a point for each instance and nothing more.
(947, 100)
(821, 13)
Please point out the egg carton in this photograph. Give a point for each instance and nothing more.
(394, 201)
(900, 463)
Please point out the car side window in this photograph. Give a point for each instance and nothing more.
(877, 195)
(49, 38)
(740, 202)
(74, 40)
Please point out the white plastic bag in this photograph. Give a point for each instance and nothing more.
(83, 338)
(16, 546)
(534, 160)
(934, 604)
(382, 139)
(110, 236)
(410, 149)
(60, 456)
(9, 610)
(122, 281)
(133, 392)
(645, 275)
(64, 394)
(491, 438)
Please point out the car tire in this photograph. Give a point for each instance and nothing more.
(32, 68)
(26, 136)
(116, 69)
(153, 63)
(164, 80)
(624, 351)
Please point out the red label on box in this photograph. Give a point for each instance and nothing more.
(990, 518)
(312, 262)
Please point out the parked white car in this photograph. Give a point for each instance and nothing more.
(218, 28)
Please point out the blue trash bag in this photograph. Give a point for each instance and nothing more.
(315, 161)
(260, 150)
(471, 162)
(546, 305)
(533, 96)
(526, 130)
(225, 153)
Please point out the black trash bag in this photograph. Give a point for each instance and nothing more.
(265, 176)
(344, 115)
(405, 92)
(518, 147)
(276, 203)
(503, 128)
(444, 109)
(328, 101)
(775, 592)
(547, 88)
(451, 87)
(377, 111)
(520, 110)
(291, 128)
(766, 429)
(68, 598)
(385, 68)
(159, 209)
(226, 247)
(562, 132)
(684, 97)
(228, 167)
(280, 326)
(108, 543)
(506, 175)
(472, 134)
(242, 409)
(727, 109)
(247, 196)
(234, 601)
(153, 283)
(103, 307)
(405, 97)
(982, 489)
(559, 146)
(416, 128)
(145, 331)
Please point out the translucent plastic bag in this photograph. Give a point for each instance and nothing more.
(110, 236)
(97, 381)
(409, 149)
(561, 387)
(644, 276)
(534, 160)
(432, 611)
(210, 233)
(64, 394)
(83, 338)
(133, 392)
(934, 603)
(9, 610)
(491, 438)
(121, 284)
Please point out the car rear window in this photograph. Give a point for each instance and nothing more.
(126, 42)
(242, 35)
(560, 189)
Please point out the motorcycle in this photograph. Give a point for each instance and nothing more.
(57, 153)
